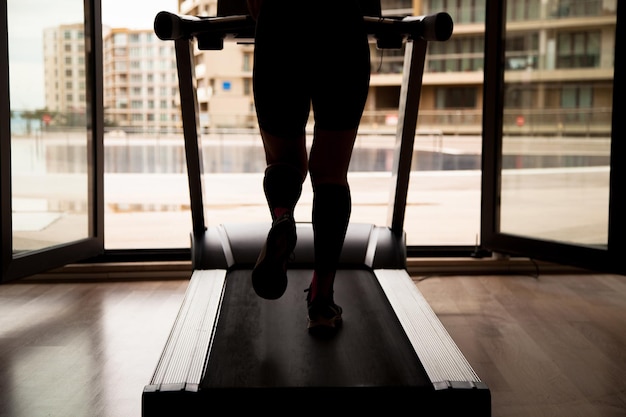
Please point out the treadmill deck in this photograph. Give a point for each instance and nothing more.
(230, 349)
(263, 343)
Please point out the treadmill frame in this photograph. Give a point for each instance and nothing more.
(175, 386)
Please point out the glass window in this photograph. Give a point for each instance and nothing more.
(461, 11)
(578, 49)
(574, 8)
(456, 97)
(556, 133)
(120, 39)
(49, 127)
(148, 202)
(457, 54)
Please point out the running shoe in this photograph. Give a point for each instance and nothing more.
(324, 316)
(269, 276)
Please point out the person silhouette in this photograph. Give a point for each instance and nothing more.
(308, 55)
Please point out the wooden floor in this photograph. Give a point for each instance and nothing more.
(548, 346)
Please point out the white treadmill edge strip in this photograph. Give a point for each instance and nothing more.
(207, 329)
(184, 354)
(438, 353)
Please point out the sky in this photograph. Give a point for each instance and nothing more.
(134, 14)
(26, 36)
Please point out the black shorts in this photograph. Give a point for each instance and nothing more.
(310, 53)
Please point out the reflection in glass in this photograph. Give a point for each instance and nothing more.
(49, 138)
(557, 123)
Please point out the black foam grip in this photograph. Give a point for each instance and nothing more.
(437, 27)
(168, 26)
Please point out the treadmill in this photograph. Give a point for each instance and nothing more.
(232, 350)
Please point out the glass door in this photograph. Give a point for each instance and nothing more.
(550, 152)
(51, 131)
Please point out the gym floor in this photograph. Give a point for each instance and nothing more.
(552, 345)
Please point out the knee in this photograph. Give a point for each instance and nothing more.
(330, 156)
(323, 172)
(291, 152)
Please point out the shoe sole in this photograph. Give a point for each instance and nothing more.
(324, 328)
(332, 322)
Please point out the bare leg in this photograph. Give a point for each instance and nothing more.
(330, 156)
(286, 170)
(288, 151)
(328, 165)
(282, 184)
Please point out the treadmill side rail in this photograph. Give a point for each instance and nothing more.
(449, 371)
(180, 368)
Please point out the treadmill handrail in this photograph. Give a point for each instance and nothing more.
(172, 26)
(210, 33)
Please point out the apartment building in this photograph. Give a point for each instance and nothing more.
(559, 58)
(64, 72)
(224, 78)
(559, 70)
(140, 82)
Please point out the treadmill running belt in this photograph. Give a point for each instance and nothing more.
(265, 344)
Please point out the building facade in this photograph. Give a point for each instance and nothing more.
(559, 69)
(559, 58)
(64, 73)
(140, 82)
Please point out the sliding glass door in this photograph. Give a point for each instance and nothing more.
(552, 131)
(51, 134)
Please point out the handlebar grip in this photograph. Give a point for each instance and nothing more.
(437, 27)
(169, 26)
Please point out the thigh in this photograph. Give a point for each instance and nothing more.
(342, 69)
(280, 79)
